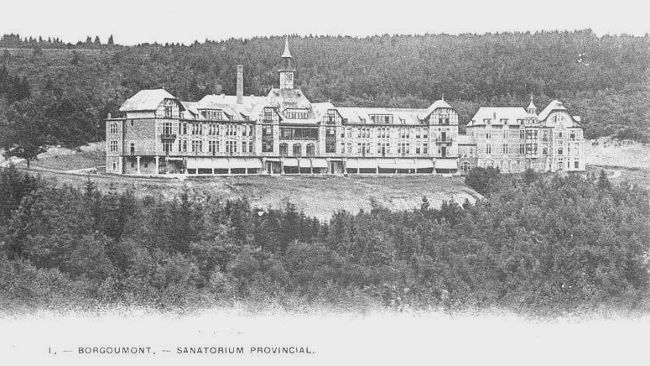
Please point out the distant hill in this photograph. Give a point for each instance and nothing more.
(603, 79)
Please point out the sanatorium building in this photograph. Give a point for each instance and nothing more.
(284, 133)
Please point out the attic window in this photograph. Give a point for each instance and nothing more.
(296, 113)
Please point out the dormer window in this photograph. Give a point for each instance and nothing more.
(268, 115)
(213, 114)
(296, 113)
(382, 118)
(330, 118)
(504, 121)
(487, 121)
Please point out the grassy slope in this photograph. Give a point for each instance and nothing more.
(316, 196)
(321, 196)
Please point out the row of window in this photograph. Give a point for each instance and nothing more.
(528, 148)
(530, 135)
(384, 132)
(297, 149)
(215, 146)
(214, 129)
(384, 148)
(503, 121)
(298, 133)
(515, 164)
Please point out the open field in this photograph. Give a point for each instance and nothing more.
(622, 160)
(617, 153)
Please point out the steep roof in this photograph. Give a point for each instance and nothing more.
(495, 114)
(286, 53)
(146, 100)
(437, 104)
(552, 106)
(531, 105)
(400, 115)
(218, 101)
(248, 109)
(320, 109)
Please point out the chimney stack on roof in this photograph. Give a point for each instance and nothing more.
(240, 84)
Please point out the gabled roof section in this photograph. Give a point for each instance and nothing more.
(282, 99)
(192, 108)
(320, 109)
(496, 114)
(146, 100)
(555, 105)
(437, 104)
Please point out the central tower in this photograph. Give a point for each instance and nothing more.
(286, 72)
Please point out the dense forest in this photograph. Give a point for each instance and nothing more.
(542, 245)
(63, 91)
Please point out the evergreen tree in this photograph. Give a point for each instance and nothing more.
(603, 182)
(25, 132)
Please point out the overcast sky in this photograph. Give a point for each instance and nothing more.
(133, 21)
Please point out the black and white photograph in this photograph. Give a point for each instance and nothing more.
(326, 182)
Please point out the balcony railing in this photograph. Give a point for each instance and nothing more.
(167, 136)
(446, 140)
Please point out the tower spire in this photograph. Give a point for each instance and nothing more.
(286, 53)
(286, 74)
(531, 107)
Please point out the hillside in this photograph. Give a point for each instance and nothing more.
(73, 87)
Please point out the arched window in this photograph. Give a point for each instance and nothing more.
(284, 149)
(311, 150)
(297, 150)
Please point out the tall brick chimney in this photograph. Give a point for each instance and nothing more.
(240, 84)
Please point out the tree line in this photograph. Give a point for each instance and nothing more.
(537, 244)
(12, 40)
